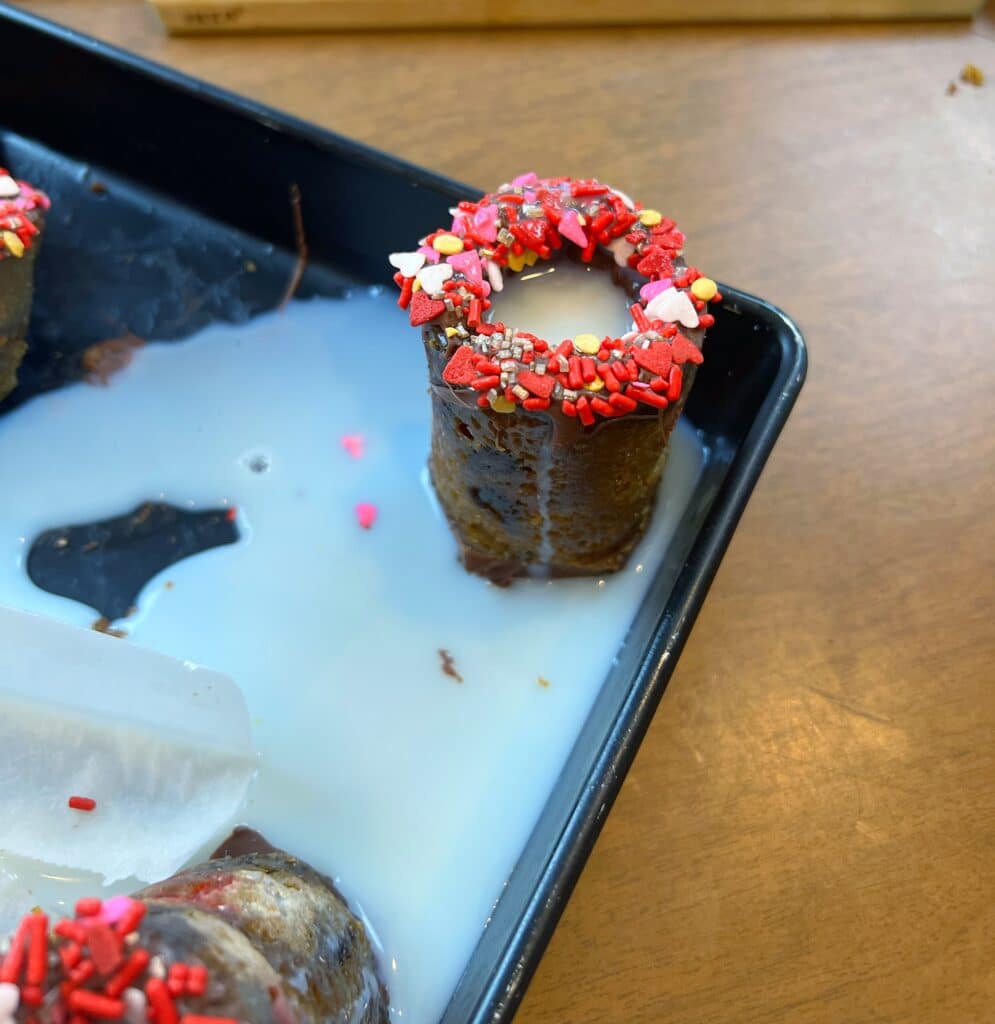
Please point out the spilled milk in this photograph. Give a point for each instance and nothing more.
(416, 792)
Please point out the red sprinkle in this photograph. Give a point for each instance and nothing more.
(95, 1005)
(197, 980)
(89, 906)
(82, 803)
(131, 918)
(161, 1002)
(38, 950)
(13, 961)
(133, 966)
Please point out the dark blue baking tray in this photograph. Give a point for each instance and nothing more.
(171, 211)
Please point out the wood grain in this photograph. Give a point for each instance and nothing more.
(808, 834)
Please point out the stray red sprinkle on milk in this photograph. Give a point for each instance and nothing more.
(353, 444)
(366, 514)
(82, 803)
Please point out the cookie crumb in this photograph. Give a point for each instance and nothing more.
(103, 625)
(972, 74)
(102, 360)
(448, 665)
(951, 88)
(543, 682)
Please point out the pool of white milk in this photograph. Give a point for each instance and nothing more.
(415, 791)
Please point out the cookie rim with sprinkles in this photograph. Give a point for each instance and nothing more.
(446, 284)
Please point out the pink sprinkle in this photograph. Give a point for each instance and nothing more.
(529, 178)
(485, 223)
(459, 226)
(353, 444)
(468, 264)
(366, 514)
(115, 908)
(569, 227)
(654, 288)
(431, 254)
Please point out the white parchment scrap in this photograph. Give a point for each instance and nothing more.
(163, 746)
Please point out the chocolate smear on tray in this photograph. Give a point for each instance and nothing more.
(105, 564)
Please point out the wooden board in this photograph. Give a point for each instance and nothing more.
(208, 16)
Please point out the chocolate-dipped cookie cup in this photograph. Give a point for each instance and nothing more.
(22, 221)
(547, 453)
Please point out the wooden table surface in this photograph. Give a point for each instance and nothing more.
(808, 833)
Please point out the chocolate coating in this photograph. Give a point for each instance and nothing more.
(277, 937)
(16, 295)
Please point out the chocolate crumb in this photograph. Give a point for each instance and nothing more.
(972, 74)
(168, 585)
(951, 88)
(98, 188)
(102, 360)
(448, 665)
(103, 625)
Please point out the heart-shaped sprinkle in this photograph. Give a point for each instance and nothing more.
(8, 187)
(685, 351)
(467, 264)
(653, 288)
(430, 254)
(423, 308)
(655, 262)
(621, 250)
(656, 359)
(673, 306)
(570, 228)
(432, 278)
(408, 263)
(494, 275)
(540, 385)
(459, 225)
(529, 178)
(460, 369)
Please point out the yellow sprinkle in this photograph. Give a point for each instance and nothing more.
(651, 217)
(581, 219)
(416, 285)
(587, 343)
(448, 245)
(596, 385)
(530, 257)
(972, 74)
(515, 262)
(704, 288)
(450, 331)
(13, 243)
(501, 404)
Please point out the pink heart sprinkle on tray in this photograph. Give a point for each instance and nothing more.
(366, 514)
(353, 444)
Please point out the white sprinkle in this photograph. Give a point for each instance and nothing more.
(10, 998)
(156, 967)
(8, 187)
(134, 1005)
(520, 392)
